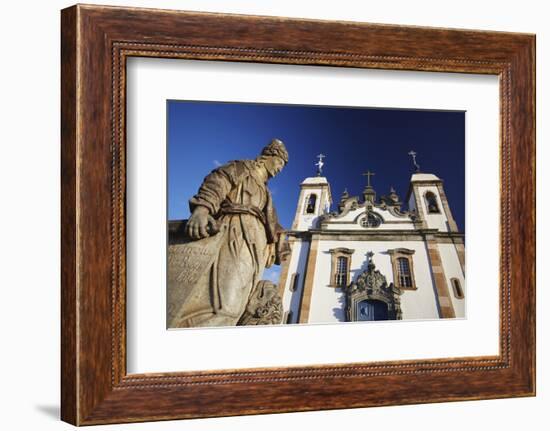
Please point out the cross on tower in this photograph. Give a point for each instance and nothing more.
(368, 174)
(412, 153)
(320, 164)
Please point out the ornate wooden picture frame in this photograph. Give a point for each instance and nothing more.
(96, 42)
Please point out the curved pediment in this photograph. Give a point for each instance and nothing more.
(360, 216)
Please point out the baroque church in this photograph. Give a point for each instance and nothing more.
(373, 258)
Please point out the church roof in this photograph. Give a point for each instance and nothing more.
(315, 180)
(424, 177)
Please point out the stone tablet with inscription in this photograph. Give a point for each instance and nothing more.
(188, 261)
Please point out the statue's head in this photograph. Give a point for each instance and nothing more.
(274, 157)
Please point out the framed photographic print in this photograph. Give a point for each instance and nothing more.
(261, 205)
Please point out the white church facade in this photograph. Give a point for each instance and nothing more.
(371, 259)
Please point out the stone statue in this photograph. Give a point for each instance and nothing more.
(216, 261)
(265, 306)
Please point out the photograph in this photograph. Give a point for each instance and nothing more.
(294, 214)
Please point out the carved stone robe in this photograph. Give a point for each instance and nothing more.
(210, 280)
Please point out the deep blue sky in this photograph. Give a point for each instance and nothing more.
(202, 135)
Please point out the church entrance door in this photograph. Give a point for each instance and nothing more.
(372, 310)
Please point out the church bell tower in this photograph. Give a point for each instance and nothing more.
(428, 200)
(315, 199)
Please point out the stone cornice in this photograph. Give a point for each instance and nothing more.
(381, 235)
(354, 221)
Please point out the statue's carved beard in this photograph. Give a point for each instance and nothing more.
(272, 164)
(269, 168)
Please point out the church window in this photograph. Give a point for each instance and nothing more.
(341, 271)
(310, 203)
(403, 269)
(294, 281)
(431, 203)
(457, 288)
(340, 267)
(287, 318)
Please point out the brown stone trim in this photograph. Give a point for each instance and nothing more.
(461, 253)
(428, 182)
(381, 235)
(313, 186)
(420, 222)
(447, 209)
(305, 301)
(446, 240)
(299, 209)
(438, 273)
(284, 269)
(455, 237)
(372, 236)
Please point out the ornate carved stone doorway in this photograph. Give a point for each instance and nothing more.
(371, 298)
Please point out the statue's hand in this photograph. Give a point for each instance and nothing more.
(197, 226)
